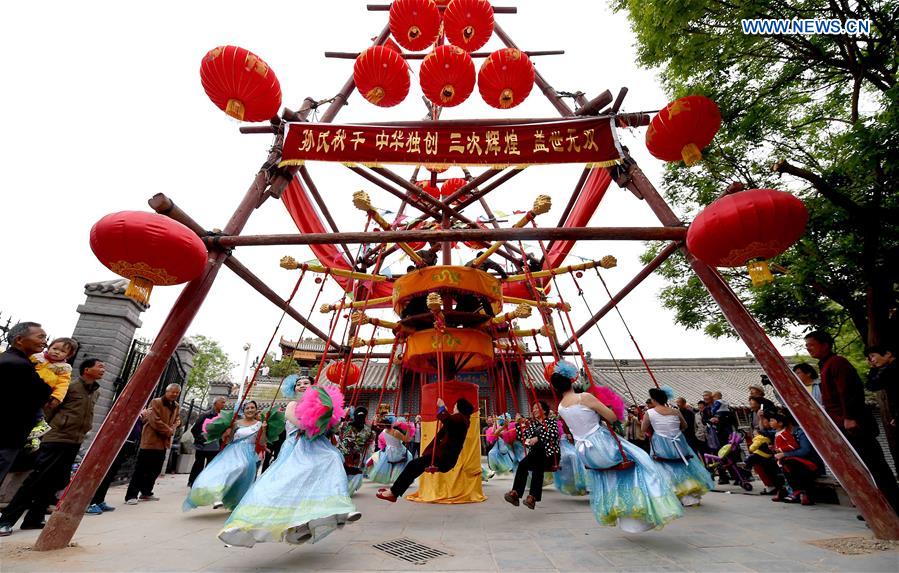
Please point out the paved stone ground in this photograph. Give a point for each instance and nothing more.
(730, 532)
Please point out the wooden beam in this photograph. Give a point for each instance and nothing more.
(524, 234)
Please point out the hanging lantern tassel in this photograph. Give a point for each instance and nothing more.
(139, 289)
(759, 272)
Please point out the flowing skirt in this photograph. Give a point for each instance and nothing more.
(571, 479)
(390, 464)
(639, 498)
(500, 459)
(302, 498)
(227, 477)
(354, 482)
(691, 480)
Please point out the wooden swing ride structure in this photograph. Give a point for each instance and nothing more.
(452, 318)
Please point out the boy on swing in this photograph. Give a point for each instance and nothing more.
(443, 451)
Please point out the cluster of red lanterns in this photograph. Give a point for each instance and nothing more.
(335, 373)
(148, 249)
(415, 24)
(240, 84)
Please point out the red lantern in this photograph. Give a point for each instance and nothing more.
(240, 84)
(148, 249)
(468, 23)
(429, 189)
(334, 373)
(450, 186)
(415, 24)
(381, 76)
(506, 78)
(447, 76)
(683, 129)
(747, 226)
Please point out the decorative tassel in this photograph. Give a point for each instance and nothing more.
(691, 154)
(139, 290)
(235, 109)
(759, 273)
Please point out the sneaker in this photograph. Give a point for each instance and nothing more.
(132, 501)
(217, 505)
(150, 497)
(39, 429)
(93, 509)
(353, 516)
(5, 530)
(105, 506)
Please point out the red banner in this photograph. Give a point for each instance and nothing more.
(584, 140)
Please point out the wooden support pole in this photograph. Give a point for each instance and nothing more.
(64, 521)
(593, 106)
(619, 296)
(827, 439)
(474, 235)
(406, 196)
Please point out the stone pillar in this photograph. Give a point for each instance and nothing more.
(105, 330)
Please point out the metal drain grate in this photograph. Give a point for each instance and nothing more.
(410, 551)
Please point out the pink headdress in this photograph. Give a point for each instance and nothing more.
(319, 410)
(608, 397)
(207, 421)
(491, 436)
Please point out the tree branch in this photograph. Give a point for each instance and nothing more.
(820, 185)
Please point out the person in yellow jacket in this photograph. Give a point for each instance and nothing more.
(56, 372)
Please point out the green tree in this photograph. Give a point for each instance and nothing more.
(211, 364)
(283, 367)
(815, 115)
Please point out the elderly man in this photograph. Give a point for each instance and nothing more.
(843, 398)
(23, 390)
(71, 422)
(205, 451)
(162, 421)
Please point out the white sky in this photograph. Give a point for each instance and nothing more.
(104, 108)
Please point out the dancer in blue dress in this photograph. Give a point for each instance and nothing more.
(669, 448)
(499, 457)
(571, 477)
(627, 488)
(303, 496)
(231, 473)
(393, 459)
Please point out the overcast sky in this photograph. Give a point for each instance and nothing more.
(103, 108)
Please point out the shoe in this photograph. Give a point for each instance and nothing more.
(132, 501)
(512, 497)
(93, 509)
(26, 525)
(354, 516)
(5, 530)
(386, 495)
(150, 497)
(39, 430)
(105, 506)
(491, 475)
(530, 502)
(218, 504)
(804, 499)
(780, 495)
(792, 498)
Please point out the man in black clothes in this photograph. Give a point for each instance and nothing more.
(22, 388)
(690, 417)
(449, 443)
(204, 451)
